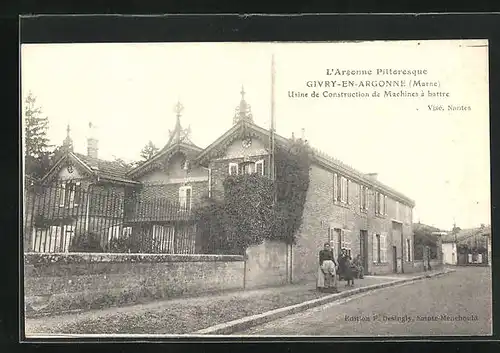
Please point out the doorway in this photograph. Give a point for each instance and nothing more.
(363, 249)
(394, 259)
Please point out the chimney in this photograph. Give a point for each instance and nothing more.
(92, 142)
(372, 176)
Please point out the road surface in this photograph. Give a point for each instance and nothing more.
(454, 304)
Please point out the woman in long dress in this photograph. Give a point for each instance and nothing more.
(327, 269)
(345, 268)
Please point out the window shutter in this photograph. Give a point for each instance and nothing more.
(71, 199)
(78, 192)
(209, 182)
(188, 198)
(347, 190)
(335, 186)
(259, 167)
(62, 196)
(385, 205)
(383, 247)
(374, 248)
(360, 196)
(182, 198)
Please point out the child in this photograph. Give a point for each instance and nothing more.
(349, 271)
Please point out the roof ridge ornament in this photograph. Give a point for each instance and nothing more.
(68, 141)
(243, 111)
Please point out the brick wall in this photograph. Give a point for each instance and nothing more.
(171, 192)
(60, 282)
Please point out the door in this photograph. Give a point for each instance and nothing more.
(363, 249)
(394, 259)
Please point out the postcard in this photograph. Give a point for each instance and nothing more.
(250, 189)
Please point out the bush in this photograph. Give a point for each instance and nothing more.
(86, 242)
(255, 208)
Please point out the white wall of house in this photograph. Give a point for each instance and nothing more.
(450, 253)
(237, 149)
(64, 174)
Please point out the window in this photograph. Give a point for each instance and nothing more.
(344, 191)
(383, 248)
(163, 239)
(233, 168)
(340, 188)
(337, 233)
(185, 193)
(126, 232)
(70, 194)
(332, 236)
(53, 239)
(380, 204)
(363, 191)
(259, 167)
(379, 248)
(397, 211)
(346, 241)
(113, 232)
(408, 219)
(247, 168)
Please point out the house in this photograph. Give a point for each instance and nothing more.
(450, 253)
(344, 206)
(471, 246)
(80, 194)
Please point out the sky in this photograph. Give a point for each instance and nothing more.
(129, 90)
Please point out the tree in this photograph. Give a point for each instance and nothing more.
(37, 154)
(149, 151)
(123, 163)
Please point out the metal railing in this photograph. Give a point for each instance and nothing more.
(70, 218)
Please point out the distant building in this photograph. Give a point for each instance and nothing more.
(470, 246)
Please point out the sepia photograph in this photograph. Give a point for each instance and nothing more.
(256, 189)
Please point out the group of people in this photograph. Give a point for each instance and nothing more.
(343, 266)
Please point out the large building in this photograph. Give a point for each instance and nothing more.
(343, 206)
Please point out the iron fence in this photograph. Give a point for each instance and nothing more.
(70, 218)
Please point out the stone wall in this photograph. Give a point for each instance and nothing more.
(62, 282)
(266, 265)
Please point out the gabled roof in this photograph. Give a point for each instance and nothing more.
(320, 158)
(94, 167)
(161, 156)
(179, 135)
(105, 169)
(178, 141)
